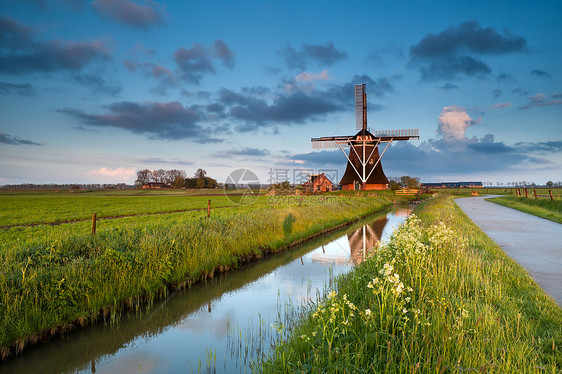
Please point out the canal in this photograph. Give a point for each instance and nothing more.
(219, 326)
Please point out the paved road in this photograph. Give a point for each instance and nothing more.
(535, 243)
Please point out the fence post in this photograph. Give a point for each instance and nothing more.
(94, 224)
(526, 195)
(535, 191)
(550, 193)
(209, 209)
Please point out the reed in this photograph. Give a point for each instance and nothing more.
(439, 297)
(62, 277)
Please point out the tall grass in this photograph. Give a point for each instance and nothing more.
(439, 297)
(545, 208)
(48, 285)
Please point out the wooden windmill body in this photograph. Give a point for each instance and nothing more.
(364, 169)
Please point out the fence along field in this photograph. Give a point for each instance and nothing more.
(59, 276)
(55, 207)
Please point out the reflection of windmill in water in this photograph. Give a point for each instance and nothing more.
(361, 242)
(365, 239)
(364, 169)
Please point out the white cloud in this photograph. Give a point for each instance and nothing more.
(117, 175)
(501, 105)
(453, 122)
(309, 77)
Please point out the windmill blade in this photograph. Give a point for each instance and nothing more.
(360, 107)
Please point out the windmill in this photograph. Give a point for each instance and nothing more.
(364, 169)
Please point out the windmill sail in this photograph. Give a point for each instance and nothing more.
(360, 107)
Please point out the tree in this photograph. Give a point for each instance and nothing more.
(210, 182)
(549, 184)
(393, 185)
(200, 174)
(178, 182)
(143, 177)
(172, 175)
(410, 182)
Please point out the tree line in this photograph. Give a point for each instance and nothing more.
(175, 178)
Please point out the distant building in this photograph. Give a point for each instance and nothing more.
(154, 185)
(453, 185)
(318, 183)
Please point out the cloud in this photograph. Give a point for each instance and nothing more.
(540, 73)
(158, 160)
(453, 123)
(540, 147)
(21, 54)
(318, 159)
(501, 105)
(253, 152)
(449, 86)
(21, 89)
(542, 100)
(308, 77)
(506, 78)
(496, 93)
(255, 107)
(118, 174)
(316, 54)
(450, 53)
(197, 61)
(170, 121)
(97, 84)
(12, 140)
(520, 91)
(131, 13)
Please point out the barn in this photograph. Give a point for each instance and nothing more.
(318, 183)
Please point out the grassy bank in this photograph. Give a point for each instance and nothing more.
(439, 297)
(545, 208)
(57, 278)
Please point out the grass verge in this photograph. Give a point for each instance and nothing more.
(545, 208)
(440, 297)
(63, 280)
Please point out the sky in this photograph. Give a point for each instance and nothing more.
(92, 91)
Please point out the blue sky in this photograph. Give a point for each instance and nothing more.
(91, 91)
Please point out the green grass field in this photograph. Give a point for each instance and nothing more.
(440, 297)
(24, 208)
(545, 208)
(55, 276)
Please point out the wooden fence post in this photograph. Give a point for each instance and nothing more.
(94, 224)
(550, 193)
(526, 195)
(209, 209)
(535, 191)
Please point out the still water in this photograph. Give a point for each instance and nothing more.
(214, 327)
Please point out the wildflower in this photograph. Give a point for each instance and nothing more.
(464, 313)
(386, 269)
(368, 312)
(332, 294)
(408, 299)
(370, 285)
(314, 333)
(404, 310)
